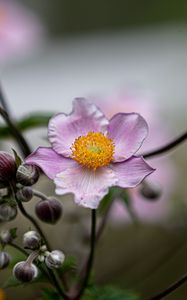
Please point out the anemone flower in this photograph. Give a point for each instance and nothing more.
(90, 153)
(165, 175)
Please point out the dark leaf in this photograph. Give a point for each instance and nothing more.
(109, 293)
(31, 121)
(49, 294)
(18, 159)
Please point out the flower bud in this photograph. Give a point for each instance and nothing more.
(4, 259)
(55, 259)
(5, 237)
(151, 191)
(7, 212)
(24, 271)
(25, 194)
(49, 210)
(27, 174)
(31, 240)
(7, 167)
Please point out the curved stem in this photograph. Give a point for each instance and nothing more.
(91, 256)
(19, 249)
(170, 289)
(16, 133)
(167, 147)
(3, 101)
(34, 222)
(39, 195)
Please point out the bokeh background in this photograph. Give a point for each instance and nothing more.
(130, 55)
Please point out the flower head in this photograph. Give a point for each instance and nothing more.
(165, 178)
(90, 153)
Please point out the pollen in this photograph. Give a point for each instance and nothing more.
(93, 150)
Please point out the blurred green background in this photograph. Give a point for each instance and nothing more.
(72, 17)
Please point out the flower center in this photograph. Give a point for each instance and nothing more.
(93, 150)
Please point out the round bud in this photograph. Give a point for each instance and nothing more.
(4, 259)
(25, 272)
(5, 237)
(25, 194)
(49, 210)
(31, 240)
(7, 212)
(7, 167)
(55, 259)
(27, 174)
(151, 191)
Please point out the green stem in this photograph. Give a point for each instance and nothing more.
(91, 256)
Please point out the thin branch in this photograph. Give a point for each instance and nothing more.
(16, 133)
(167, 147)
(90, 258)
(39, 195)
(3, 101)
(34, 222)
(19, 249)
(170, 289)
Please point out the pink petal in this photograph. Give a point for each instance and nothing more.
(64, 129)
(88, 186)
(49, 161)
(128, 132)
(131, 172)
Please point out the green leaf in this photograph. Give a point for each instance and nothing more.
(68, 265)
(107, 200)
(28, 122)
(49, 294)
(11, 282)
(109, 293)
(13, 232)
(18, 159)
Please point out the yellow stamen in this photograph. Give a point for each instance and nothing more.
(93, 150)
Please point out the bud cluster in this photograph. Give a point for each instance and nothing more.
(26, 271)
(12, 176)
